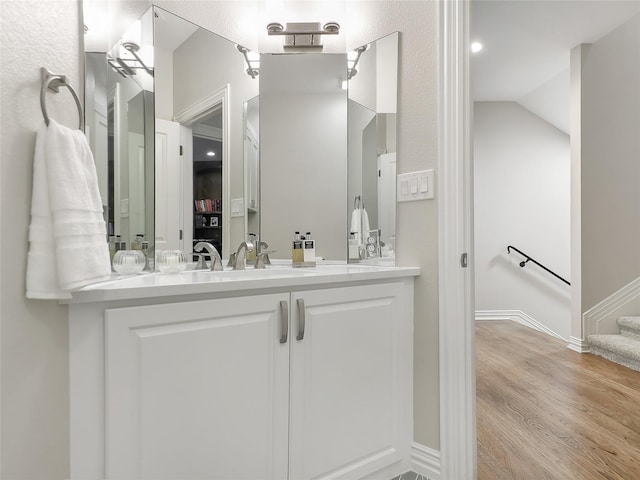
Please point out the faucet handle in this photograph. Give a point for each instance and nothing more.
(202, 263)
(262, 259)
(232, 259)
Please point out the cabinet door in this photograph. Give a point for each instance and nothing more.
(350, 381)
(197, 390)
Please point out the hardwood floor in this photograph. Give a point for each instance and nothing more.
(546, 412)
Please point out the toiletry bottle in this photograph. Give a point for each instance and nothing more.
(112, 246)
(353, 247)
(309, 250)
(144, 246)
(297, 254)
(137, 243)
(250, 256)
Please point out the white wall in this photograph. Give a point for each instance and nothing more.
(34, 335)
(522, 198)
(610, 163)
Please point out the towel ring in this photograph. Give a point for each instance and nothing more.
(54, 82)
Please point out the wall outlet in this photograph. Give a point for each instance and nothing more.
(415, 186)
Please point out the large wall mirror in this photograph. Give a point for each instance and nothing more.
(190, 147)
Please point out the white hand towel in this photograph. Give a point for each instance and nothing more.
(365, 223)
(67, 235)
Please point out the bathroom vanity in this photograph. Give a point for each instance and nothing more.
(258, 374)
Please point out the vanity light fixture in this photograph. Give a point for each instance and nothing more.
(133, 49)
(211, 153)
(303, 34)
(353, 57)
(252, 59)
(476, 47)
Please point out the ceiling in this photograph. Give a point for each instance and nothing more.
(526, 47)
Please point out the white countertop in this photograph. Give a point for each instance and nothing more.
(190, 282)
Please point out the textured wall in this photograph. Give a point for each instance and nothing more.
(34, 336)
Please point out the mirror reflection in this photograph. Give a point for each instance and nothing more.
(372, 151)
(199, 136)
(303, 151)
(229, 155)
(119, 125)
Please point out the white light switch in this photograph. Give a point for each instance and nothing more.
(404, 187)
(415, 186)
(237, 207)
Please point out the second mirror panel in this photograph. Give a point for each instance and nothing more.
(373, 82)
(303, 151)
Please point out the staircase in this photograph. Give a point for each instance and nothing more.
(624, 348)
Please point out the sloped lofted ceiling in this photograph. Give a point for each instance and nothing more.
(526, 48)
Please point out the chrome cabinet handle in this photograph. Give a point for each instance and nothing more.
(284, 327)
(301, 319)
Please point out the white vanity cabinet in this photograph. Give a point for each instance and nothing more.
(197, 390)
(287, 385)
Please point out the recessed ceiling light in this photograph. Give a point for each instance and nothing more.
(476, 47)
(211, 154)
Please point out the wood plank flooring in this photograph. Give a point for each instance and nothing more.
(546, 412)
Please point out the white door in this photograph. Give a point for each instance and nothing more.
(197, 390)
(168, 186)
(349, 387)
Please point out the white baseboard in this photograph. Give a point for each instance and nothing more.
(602, 317)
(578, 345)
(425, 461)
(517, 316)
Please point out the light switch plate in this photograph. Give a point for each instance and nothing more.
(415, 186)
(237, 207)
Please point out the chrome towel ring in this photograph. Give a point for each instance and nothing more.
(53, 83)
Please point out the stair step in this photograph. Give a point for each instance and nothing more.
(620, 349)
(629, 327)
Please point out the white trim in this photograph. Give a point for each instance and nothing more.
(425, 461)
(517, 316)
(202, 107)
(191, 115)
(602, 317)
(578, 345)
(455, 229)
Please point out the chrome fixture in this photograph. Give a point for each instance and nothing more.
(125, 69)
(353, 58)
(236, 260)
(303, 34)
(252, 60)
(52, 83)
(216, 261)
(262, 255)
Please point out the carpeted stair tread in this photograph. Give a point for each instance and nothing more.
(620, 349)
(629, 327)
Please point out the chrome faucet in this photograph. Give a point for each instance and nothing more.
(236, 260)
(216, 261)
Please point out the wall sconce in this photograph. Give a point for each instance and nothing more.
(303, 34)
(353, 57)
(252, 59)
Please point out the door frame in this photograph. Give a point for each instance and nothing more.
(191, 115)
(458, 449)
